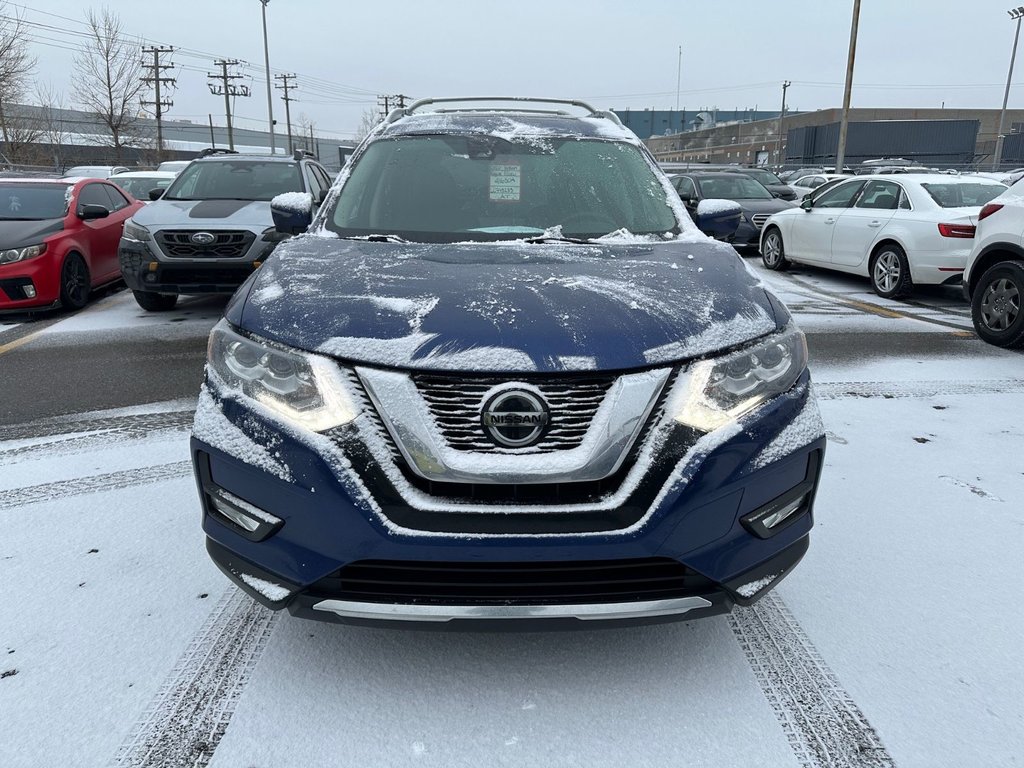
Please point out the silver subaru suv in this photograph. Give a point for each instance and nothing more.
(212, 227)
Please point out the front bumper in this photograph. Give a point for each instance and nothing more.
(144, 271)
(747, 235)
(41, 276)
(331, 527)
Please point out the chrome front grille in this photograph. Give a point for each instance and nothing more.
(759, 219)
(455, 403)
(177, 243)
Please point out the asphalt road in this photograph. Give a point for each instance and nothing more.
(113, 355)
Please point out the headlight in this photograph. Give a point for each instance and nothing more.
(305, 389)
(135, 231)
(723, 389)
(21, 254)
(271, 235)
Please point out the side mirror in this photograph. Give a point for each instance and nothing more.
(807, 203)
(718, 218)
(156, 194)
(90, 212)
(292, 212)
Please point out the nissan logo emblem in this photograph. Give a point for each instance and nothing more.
(204, 238)
(515, 418)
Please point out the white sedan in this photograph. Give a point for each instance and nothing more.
(897, 230)
(807, 184)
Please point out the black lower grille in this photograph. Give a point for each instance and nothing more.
(530, 583)
(221, 276)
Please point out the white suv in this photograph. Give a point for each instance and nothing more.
(994, 277)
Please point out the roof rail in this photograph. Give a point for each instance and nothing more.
(300, 154)
(395, 114)
(216, 151)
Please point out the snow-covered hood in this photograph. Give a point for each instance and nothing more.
(505, 306)
(214, 214)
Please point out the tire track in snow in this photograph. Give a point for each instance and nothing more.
(61, 489)
(134, 424)
(822, 723)
(835, 390)
(92, 439)
(190, 714)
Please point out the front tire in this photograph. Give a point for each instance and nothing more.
(996, 305)
(155, 302)
(74, 282)
(773, 252)
(890, 273)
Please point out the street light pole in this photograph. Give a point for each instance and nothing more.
(266, 63)
(782, 116)
(1015, 13)
(844, 121)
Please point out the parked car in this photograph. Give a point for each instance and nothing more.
(139, 184)
(93, 171)
(805, 185)
(173, 166)
(500, 378)
(994, 275)
(212, 227)
(755, 200)
(897, 231)
(58, 240)
(769, 181)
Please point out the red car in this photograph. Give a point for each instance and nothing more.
(58, 240)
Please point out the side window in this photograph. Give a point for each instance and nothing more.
(840, 196)
(325, 180)
(880, 195)
(316, 187)
(117, 200)
(904, 201)
(94, 194)
(686, 188)
(816, 182)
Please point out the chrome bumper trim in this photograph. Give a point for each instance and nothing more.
(442, 613)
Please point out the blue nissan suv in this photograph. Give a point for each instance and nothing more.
(500, 379)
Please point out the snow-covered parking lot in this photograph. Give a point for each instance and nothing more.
(893, 643)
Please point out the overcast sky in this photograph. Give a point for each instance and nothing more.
(910, 53)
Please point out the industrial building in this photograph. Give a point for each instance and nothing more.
(54, 139)
(947, 138)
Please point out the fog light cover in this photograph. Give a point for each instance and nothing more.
(30, 291)
(777, 514)
(255, 523)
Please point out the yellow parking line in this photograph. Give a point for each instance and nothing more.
(874, 309)
(12, 345)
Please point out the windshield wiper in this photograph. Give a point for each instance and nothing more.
(556, 239)
(377, 238)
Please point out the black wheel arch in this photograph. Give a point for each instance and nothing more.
(989, 257)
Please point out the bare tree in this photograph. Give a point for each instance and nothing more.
(16, 65)
(53, 127)
(107, 79)
(306, 130)
(367, 123)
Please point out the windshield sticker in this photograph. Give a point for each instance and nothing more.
(505, 182)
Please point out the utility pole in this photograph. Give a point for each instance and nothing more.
(157, 79)
(844, 121)
(228, 89)
(387, 102)
(1018, 14)
(679, 76)
(266, 63)
(287, 87)
(782, 116)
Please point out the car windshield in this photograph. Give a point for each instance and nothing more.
(139, 186)
(481, 187)
(960, 195)
(31, 202)
(733, 187)
(764, 177)
(235, 180)
(86, 170)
